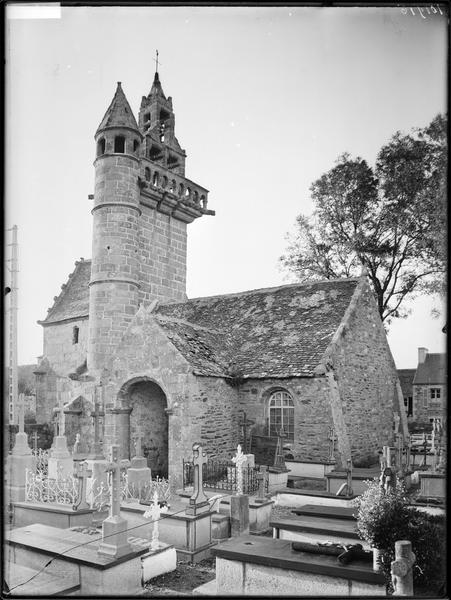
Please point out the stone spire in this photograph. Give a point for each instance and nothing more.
(156, 89)
(119, 113)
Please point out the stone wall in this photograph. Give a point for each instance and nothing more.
(366, 375)
(59, 348)
(312, 415)
(162, 250)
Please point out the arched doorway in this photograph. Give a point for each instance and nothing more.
(148, 414)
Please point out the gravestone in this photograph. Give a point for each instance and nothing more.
(60, 462)
(239, 503)
(20, 459)
(198, 503)
(401, 569)
(139, 474)
(114, 529)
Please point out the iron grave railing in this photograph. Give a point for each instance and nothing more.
(221, 475)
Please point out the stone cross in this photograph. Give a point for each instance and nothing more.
(245, 424)
(138, 442)
(81, 472)
(21, 412)
(198, 498)
(35, 440)
(114, 467)
(239, 459)
(60, 421)
(401, 569)
(155, 511)
(332, 439)
(261, 478)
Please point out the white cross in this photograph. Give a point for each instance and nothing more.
(239, 459)
(154, 513)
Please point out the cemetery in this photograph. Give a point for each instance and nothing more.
(86, 524)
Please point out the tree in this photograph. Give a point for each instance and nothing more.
(391, 220)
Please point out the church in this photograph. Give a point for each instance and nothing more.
(123, 336)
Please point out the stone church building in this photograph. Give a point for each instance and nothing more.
(123, 333)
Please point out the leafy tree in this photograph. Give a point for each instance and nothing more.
(391, 220)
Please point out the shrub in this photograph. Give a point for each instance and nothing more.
(384, 518)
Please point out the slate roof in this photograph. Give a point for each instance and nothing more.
(431, 371)
(73, 301)
(275, 332)
(119, 113)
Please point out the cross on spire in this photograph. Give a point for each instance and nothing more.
(156, 61)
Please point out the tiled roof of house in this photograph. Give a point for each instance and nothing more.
(275, 332)
(431, 371)
(73, 301)
(405, 377)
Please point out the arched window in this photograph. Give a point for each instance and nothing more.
(75, 332)
(147, 174)
(281, 414)
(135, 145)
(119, 144)
(101, 147)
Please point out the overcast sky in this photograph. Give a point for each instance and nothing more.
(265, 100)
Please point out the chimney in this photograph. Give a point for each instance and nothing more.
(422, 355)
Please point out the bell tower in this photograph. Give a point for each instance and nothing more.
(142, 205)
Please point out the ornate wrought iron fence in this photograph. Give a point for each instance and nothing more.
(42, 461)
(39, 488)
(221, 475)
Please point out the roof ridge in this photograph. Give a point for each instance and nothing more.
(263, 290)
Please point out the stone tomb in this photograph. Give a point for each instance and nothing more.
(76, 558)
(266, 567)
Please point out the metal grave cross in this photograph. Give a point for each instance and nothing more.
(114, 467)
(239, 459)
(155, 511)
(81, 472)
(199, 460)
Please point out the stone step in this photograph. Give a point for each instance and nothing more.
(25, 581)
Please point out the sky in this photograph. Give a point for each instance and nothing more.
(265, 100)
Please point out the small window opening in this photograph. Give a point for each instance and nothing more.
(155, 178)
(135, 145)
(181, 188)
(162, 128)
(119, 144)
(75, 333)
(101, 147)
(146, 117)
(147, 174)
(172, 161)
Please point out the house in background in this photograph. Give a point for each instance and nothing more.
(429, 387)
